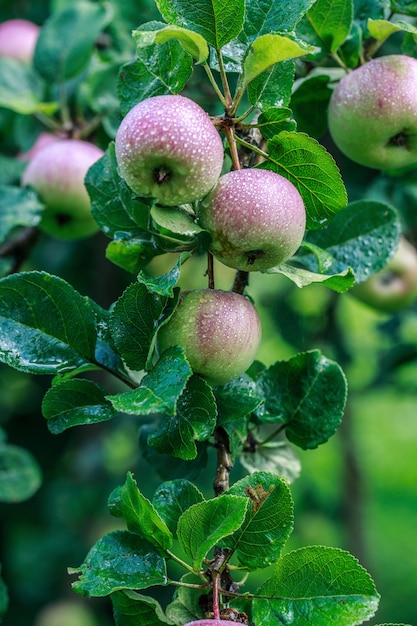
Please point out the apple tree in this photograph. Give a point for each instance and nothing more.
(248, 180)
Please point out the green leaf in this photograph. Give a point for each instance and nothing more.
(163, 284)
(21, 89)
(132, 253)
(268, 522)
(317, 585)
(66, 40)
(332, 21)
(340, 282)
(11, 170)
(75, 402)
(307, 394)
(20, 474)
(274, 120)
(309, 104)
(133, 324)
(194, 420)
(159, 69)
(175, 222)
(131, 608)
(382, 29)
(114, 207)
(18, 207)
(172, 498)
(276, 457)
(139, 514)
(312, 169)
(363, 236)
(119, 560)
(204, 524)
(218, 21)
(237, 399)
(46, 327)
(192, 42)
(272, 88)
(405, 7)
(4, 596)
(269, 49)
(159, 390)
(186, 605)
(269, 16)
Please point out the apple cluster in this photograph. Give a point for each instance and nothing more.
(167, 148)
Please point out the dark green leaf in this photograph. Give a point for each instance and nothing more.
(307, 393)
(159, 390)
(114, 207)
(18, 207)
(269, 16)
(312, 169)
(317, 585)
(75, 402)
(4, 597)
(20, 474)
(11, 170)
(194, 420)
(66, 40)
(46, 327)
(133, 324)
(218, 21)
(131, 609)
(174, 497)
(204, 524)
(273, 88)
(309, 104)
(363, 236)
(132, 253)
(119, 560)
(21, 89)
(405, 7)
(186, 605)
(331, 20)
(237, 399)
(268, 523)
(139, 514)
(159, 69)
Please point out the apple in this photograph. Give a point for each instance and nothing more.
(256, 219)
(394, 287)
(168, 148)
(43, 140)
(57, 173)
(212, 622)
(18, 39)
(372, 113)
(220, 332)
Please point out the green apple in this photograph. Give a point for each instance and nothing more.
(394, 287)
(18, 39)
(168, 148)
(66, 613)
(373, 113)
(256, 219)
(220, 332)
(57, 173)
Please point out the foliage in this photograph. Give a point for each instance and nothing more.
(269, 70)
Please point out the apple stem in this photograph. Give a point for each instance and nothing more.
(216, 608)
(210, 270)
(241, 282)
(231, 140)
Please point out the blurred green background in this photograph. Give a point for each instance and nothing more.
(358, 492)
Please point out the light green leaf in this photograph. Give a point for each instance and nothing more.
(21, 89)
(119, 560)
(140, 515)
(317, 585)
(159, 390)
(46, 327)
(276, 457)
(268, 522)
(312, 169)
(332, 21)
(192, 42)
(202, 526)
(270, 49)
(218, 21)
(20, 474)
(75, 402)
(382, 29)
(340, 282)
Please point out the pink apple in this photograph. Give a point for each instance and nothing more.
(18, 39)
(256, 219)
(57, 173)
(168, 148)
